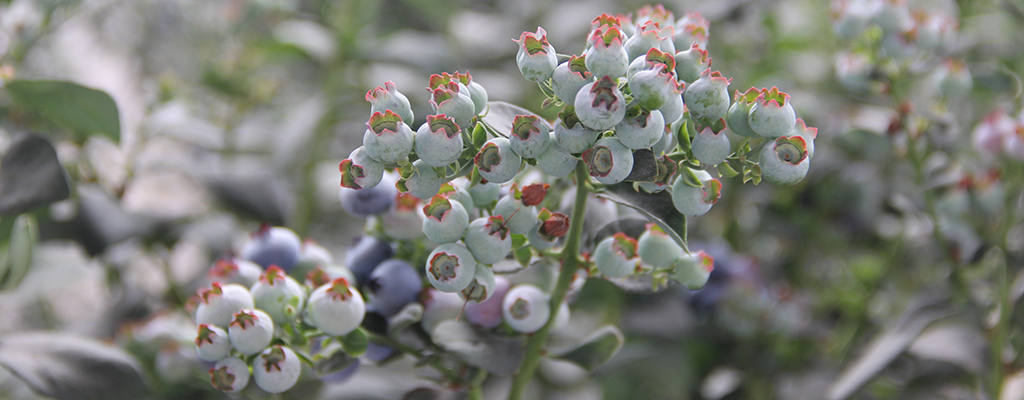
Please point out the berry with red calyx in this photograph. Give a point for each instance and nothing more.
(600, 105)
(212, 343)
(518, 217)
(230, 375)
(609, 161)
(336, 308)
(616, 256)
(696, 201)
(650, 36)
(606, 55)
(438, 141)
(692, 29)
(738, 116)
(536, 58)
(446, 221)
(359, 171)
(218, 304)
(784, 161)
(451, 266)
(657, 249)
(654, 87)
(571, 135)
(488, 239)
(772, 114)
(488, 313)
(276, 369)
(497, 162)
(279, 295)
(530, 136)
(452, 98)
(251, 331)
(691, 62)
(707, 98)
(711, 146)
(481, 287)
(569, 77)
(549, 227)
(424, 182)
(640, 129)
(692, 271)
(235, 270)
(389, 98)
(526, 308)
(388, 139)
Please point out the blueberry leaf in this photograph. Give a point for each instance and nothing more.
(67, 366)
(645, 167)
(30, 175)
(83, 110)
(595, 350)
(409, 315)
(24, 236)
(499, 355)
(355, 343)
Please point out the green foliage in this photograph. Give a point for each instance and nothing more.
(83, 110)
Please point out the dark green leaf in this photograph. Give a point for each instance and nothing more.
(645, 167)
(518, 241)
(727, 170)
(523, 255)
(499, 116)
(71, 367)
(596, 349)
(84, 110)
(656, 207)
(689, 177)
(30, 175)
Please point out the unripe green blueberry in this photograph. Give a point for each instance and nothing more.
(673, 109)
(484, 193)
(360, 171)
(696, 201)
(652, 88)
(600, 105)
(218, 304)
(389, 98)
(693, 271)
(455, 190)
(450, 97)
(451, 267)
(276, 369)
(738, 116)
(667, 143)
(336, 308)
(692, 29)
(616, 256)
(606, 55)
(708, 97)
(640, 129)
(488, 239)
(530, 136)
(230, 375)
(571, 135)
(772, 114)
(710, 147)
(438, 142)
(649, 36)
(250, 331)
(279, 295)
(556, 161)
(808, 133)
(481, 287)
(609, 161)
(784, 161)
(404, 221)
(497, 162)
(212, 343)
(536, 58)
(424, 182)
(657, 249)
(387, 139)
(569, 77)
(526, 308)
(691, 62)
(446, 220)
(476, 91)
(518, 217)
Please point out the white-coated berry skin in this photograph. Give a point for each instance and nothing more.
(481, 287)
(694, 270)
(708, 97)
(641, 131)
(611, 262)
(219, 304)
(279, 295)
(276, 369)
(451, 267)
(711, 148)
(609, 162)
(600, 105)
(657, 249)
(447, 227)
(250, 331)
(690, 200)
(488, 314)
(424, 182)
(556, 161)
(777, 170)
(230, 375)
(212, 343)
(518, 217)
(433, 144)
(497, 162)
(526, 308)
(486, 246)
(336, 308)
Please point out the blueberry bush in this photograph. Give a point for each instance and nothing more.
(260, 200)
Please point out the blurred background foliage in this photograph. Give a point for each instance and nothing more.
(234, 112)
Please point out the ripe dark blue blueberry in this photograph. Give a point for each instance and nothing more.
(366, 255)
(392, 285)
(273, 246)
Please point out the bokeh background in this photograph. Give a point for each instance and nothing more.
(871, 279)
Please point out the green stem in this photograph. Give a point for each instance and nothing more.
(476, 391)
(570, 263)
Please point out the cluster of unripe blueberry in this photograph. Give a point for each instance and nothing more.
(887, 37)
(255, 313)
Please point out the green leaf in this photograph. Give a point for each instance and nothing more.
(689, 177)
(479, 136)
(354, 343)
(596, 349)
(24, 236)
(518, 241)
(497, 354)
(523, 255)
(727, 170)
(84, 110)
(656, 207)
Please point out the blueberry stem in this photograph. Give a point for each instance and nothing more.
(570, 263)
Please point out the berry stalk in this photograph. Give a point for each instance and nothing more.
(570, 263)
